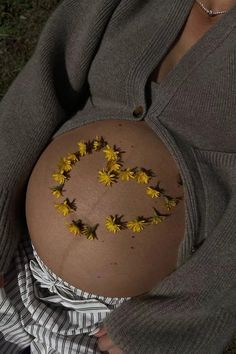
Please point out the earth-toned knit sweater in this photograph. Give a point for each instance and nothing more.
(93, 61)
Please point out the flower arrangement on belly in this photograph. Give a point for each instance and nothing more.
(114, 171)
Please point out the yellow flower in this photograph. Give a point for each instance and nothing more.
(72, 157)
(60, 177)
(113, 224)
(98, 143)
(111, 154)
(64, 165)
(106, 177)
(126, 175)
(82, 148)
(157, 218)
(170, 202)
(66, 207)
(113, 166)
(152, 192)
(136, 225)
(76, 227)
(142, 177)
(57, 191)
(90, 232)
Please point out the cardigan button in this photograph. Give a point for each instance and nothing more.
(196, 247)
(138, 112)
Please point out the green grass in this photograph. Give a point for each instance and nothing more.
(21, 22)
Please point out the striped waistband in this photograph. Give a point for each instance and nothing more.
(67, 293)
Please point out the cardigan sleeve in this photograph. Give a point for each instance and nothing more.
(50, 89)
(193, 309)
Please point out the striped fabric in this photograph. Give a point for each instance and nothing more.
(40, 310)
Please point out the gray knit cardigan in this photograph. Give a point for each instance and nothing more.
(93, 61)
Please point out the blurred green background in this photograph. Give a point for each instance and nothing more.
(21, 22)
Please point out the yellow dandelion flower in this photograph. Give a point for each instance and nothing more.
(60, 177)
(157, 218)
(106, 177)
(170, 202)
(113, 166)
(63, 208)
(152, 192)
(57, 191)
(66, 207)
(126, 175)
(111, 154)
(90, 232)
(64, 165)
(72, 157)
(142, 177)
(76, 227)
(82, 148)
(113, 224)
(136, 225)
(98, 143)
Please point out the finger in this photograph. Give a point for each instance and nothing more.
(101, 332)
(116, 350)
(105, 343)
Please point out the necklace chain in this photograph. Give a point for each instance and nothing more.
(210, 12)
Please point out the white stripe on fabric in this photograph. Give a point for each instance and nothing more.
(39, 309)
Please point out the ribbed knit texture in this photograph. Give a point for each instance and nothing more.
(45, 94)
(92, 62)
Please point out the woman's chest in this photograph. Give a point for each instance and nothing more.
(196, 71)
(196, 25)
(206, 98)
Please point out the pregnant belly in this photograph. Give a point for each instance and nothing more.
(128, 262)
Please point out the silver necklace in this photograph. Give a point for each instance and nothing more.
(210, 12)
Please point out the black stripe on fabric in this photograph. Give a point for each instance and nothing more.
(40, 337)
(26, 351)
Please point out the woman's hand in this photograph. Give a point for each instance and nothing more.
(105, 343)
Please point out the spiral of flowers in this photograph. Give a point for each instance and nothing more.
(109, 175)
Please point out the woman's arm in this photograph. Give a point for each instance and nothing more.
(193, 310)
(50, 89)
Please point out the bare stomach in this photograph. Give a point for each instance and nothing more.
(125, 263)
